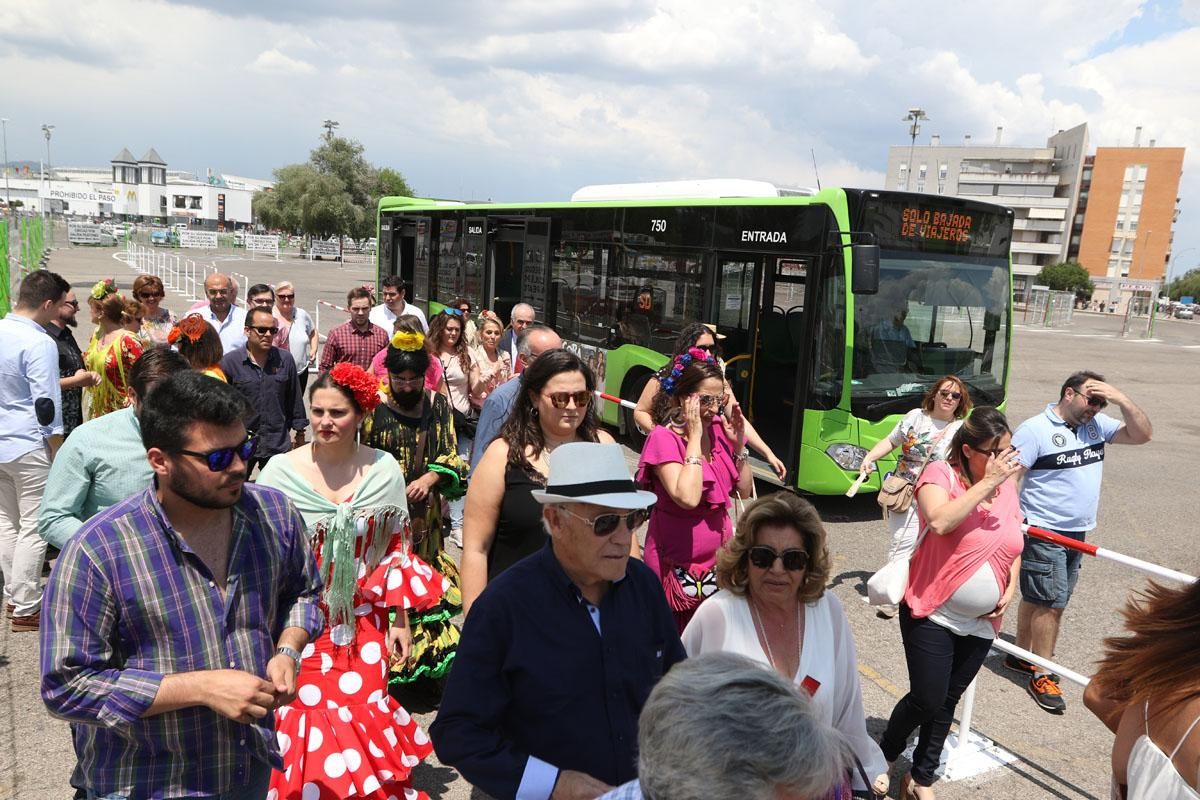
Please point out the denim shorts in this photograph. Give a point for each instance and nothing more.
(1049, 571)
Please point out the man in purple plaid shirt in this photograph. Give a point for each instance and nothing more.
(358, 340)
(173, 621)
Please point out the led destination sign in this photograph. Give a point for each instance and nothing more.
(940, 226)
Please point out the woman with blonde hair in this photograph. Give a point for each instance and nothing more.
(112, 352)
(157, 320)
(490, 366)
(923, 436)
(775, 610)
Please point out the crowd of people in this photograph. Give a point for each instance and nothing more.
(236, 611)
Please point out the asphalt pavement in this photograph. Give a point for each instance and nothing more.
(1147, 510)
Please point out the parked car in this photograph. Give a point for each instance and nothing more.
(1184, 312)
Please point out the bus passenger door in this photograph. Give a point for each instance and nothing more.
(518, 250)
(407, 246)
(735, 303)
(777, 401)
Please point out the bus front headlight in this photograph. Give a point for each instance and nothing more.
(847, 456)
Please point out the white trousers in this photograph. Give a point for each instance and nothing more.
(22, 550)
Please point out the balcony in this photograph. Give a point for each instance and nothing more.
(1026, 178)
(1047, 225)
(1040, 248)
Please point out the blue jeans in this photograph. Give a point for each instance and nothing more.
(258, 779)
(465, 443)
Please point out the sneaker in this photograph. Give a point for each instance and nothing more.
(26, 624)
(1047, 694)
(456, 538)
(886, 611)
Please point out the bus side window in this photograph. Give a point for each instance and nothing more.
(670, 281)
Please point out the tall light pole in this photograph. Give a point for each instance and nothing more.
(329, 125)
(7, 194)
(47, 130)
(915, 117)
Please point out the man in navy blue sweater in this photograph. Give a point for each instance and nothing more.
(560, 652)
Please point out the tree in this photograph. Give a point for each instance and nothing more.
(1186, 285)
(1067, 276)
(335, 193)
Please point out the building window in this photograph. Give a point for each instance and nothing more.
(1120, 224)
(921, 185)
(903, 174)
(1116, 246)
(1133, 224)
(180, 201)
(941, 187)
(942, 170)
(194, 203)
(921, 172)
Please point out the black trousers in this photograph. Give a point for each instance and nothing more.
(941, 664)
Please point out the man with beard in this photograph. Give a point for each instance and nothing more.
(71, 373)
(174, 620)
(227, 319)
(1062, 450)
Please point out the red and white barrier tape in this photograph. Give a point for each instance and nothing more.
(1111, 555)
(617, 400)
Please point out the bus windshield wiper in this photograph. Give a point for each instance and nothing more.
(906, 401)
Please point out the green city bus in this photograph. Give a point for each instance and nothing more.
(839, 307)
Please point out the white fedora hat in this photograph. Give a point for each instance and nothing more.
(588, 472)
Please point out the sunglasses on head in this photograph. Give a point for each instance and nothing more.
(453, 312)
(560, 400)
(219, 460)
(606, 524)
(950, 395)
(764, 557)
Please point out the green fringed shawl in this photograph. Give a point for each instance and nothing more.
(379, 497)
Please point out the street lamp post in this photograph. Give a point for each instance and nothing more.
(47, 130)
(7, 193)
(915, 117)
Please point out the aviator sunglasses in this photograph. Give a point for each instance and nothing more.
(949, 395)
(605, 524)
(220, 459)
(764, 557)
(560, 400)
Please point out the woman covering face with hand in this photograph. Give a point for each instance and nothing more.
(694, 460)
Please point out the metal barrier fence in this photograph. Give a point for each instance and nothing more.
(1048, 308)
(965, 751)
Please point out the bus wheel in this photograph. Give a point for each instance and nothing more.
(631, 391)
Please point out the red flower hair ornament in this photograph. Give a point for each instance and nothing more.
(191, 326)
(361, 384)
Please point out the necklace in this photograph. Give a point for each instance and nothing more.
(762, 631)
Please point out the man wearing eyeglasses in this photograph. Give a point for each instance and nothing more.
(520, 318)
(1062, 450)
(560, 652)
(174, 620)
(72, 376)
(227, 319)
(266, 376)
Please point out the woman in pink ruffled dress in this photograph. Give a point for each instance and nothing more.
(694, 461)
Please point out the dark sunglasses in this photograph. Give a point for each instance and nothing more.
(560, 400)
(709, 400)
(764, 557)
(72, 303)
(219, 460)
(989, 451)
(605, 524)
(285, 297)
(263, 330)
(1096, 402)
(149, 295)
(950, 395)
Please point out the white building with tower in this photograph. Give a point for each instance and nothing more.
(141, 190)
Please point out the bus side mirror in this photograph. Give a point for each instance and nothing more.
(864, 270)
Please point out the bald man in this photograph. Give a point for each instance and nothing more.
(228, 320)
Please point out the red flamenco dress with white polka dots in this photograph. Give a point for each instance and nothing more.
(344, 735)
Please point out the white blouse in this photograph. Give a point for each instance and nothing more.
(723, 624)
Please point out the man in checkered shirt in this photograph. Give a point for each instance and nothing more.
(358, 340)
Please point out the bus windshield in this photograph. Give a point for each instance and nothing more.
(934, 315)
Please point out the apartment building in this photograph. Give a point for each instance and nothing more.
(1040, 184)
(1124, 226)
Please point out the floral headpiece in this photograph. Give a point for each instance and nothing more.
(103, 288)
(408, 342)
(191, 327)
(680, 363)
(360, 383)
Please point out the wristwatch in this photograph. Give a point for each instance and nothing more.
(744, 455)
(291, 653)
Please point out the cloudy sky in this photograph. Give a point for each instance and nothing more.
(521, 100)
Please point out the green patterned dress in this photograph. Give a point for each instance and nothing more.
(434, 637)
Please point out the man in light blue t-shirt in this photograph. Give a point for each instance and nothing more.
(1062, 450)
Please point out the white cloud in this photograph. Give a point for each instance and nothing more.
(273, 62)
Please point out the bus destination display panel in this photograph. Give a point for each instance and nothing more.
(944, 225)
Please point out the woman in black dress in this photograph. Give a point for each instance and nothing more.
(503, 523)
